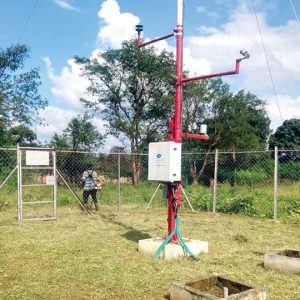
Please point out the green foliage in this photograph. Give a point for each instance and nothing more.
(23, 135)
(239, 121)
(235, 121)
(289, 170)
(65, 200)
(19, 96)
(238, 204)
(286, 136)
(79, 135)
(136, 86)
(250, 177)
(59, 142)
(71, 165)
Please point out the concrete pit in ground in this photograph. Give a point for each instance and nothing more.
(216, 287)
(287, 260)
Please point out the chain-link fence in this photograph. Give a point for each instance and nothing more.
(8, 177)
(257, 183)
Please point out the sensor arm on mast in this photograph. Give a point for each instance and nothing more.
(245, 55)
(139, 29)
(203, 137)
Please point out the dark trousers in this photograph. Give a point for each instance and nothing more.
(87, 193)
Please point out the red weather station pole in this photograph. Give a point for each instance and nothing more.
(175, 133)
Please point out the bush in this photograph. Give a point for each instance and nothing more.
(250, 177)
(290, 170)
(238, 204)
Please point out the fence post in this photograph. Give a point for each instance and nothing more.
(215, 180)
(55, 183)
(19, 183)
(275, 182)
(119, 184)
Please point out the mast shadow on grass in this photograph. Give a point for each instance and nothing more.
(132, 234)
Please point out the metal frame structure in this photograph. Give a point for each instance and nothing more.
(183, 191)
(175, 132)
(51, 168)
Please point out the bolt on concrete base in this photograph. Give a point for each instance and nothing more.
(171, 250)
(287, 260)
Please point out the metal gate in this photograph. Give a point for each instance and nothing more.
(37, 188)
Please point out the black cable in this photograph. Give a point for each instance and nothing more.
(267, 60)
(28, 20)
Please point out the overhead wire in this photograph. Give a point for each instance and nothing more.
(294, 10)
(28, 20)
(267, 59)
(23, 30)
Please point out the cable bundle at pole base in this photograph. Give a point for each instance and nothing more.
(180, 239)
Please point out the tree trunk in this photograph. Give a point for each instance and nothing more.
(194, 173)
(136, 169)
(232, 157)
(204, 164)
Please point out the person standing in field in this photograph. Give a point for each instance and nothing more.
(90, 181)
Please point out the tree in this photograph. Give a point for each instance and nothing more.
(239, 122)
(19, 96)
(287, 136)
(59, 142)
(79, 135)
(23, 135)
(235, 121)
(195, 103)
(134, 89)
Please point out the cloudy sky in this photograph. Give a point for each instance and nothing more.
(215, 31)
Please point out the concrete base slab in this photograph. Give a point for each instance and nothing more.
(287, 260)
(172, 250)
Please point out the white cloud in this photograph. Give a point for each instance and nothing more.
(69, 86)
(204, 10)
(118, 26)
(215, 50)
(221, 46)
(57, 119)
(66, 5)
(289, 108)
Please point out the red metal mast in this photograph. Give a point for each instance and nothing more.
(175, 133)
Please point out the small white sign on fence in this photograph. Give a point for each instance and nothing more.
(50, 180)
(37, 158)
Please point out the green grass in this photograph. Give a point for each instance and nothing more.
(256, 200)
(96, 257)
